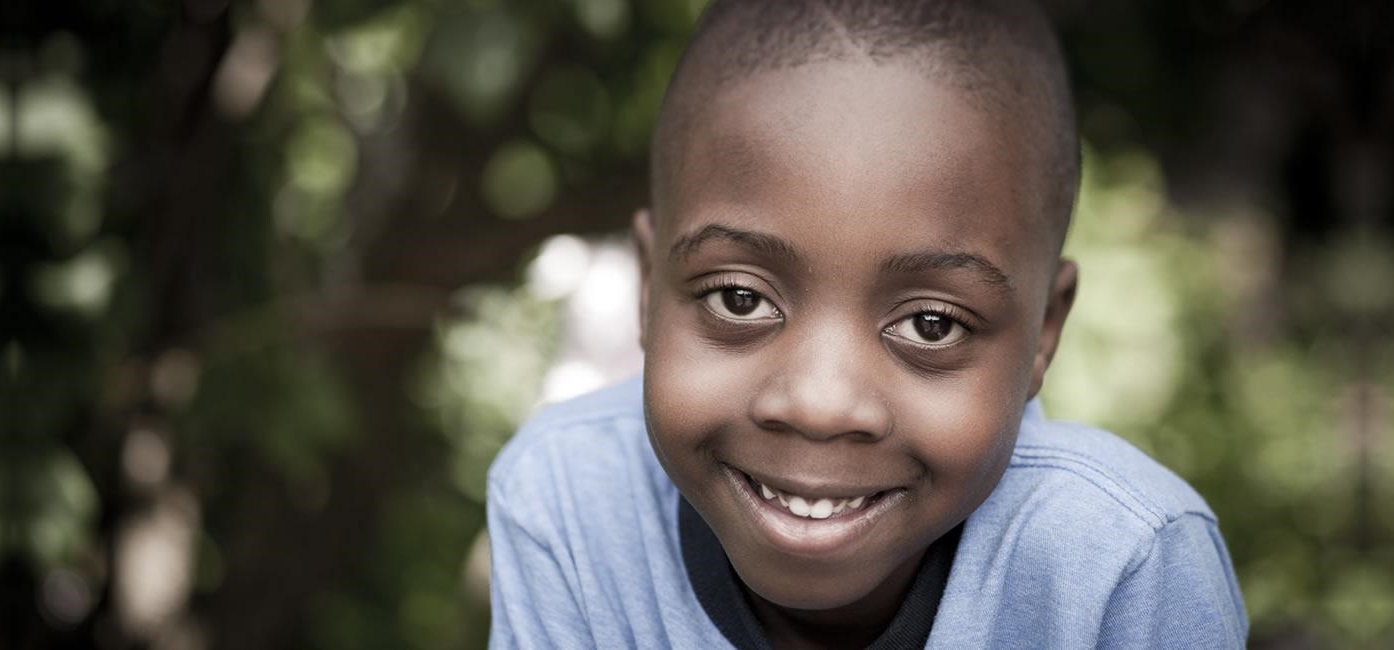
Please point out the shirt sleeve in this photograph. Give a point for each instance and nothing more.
(533, 583)
(1182, 594)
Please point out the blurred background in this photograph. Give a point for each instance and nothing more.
(279, 277)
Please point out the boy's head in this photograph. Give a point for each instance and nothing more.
(852, 282)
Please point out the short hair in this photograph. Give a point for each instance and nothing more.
(1002, 53)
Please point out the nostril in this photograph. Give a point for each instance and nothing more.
(775, 426)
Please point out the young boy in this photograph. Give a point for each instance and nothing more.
(852, 290)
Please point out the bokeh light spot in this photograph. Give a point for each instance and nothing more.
(570, 379)
(387, 43)
(145, 457)
(322, 156)
(603, 18)
(480, 58)
(174, 377)
(82, 284)
(246, 71)
(519, 180)
(559, 268)
(65, 598)
(55, 118)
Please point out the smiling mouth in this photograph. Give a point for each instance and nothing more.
(811, 507)
(821, 525)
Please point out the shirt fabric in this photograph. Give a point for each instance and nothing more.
(1085, 542)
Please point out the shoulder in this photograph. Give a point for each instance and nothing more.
(571, 455)
(1075, 499)
(1086, 499)
(600, 409)
(1086, 528)
(591, 431)
(1082, 467)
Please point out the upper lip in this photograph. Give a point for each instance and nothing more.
(814, 488)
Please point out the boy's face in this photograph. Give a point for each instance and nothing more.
(848, 301)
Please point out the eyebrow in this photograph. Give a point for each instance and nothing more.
(759, 242)
(912, 263)
(922, 261)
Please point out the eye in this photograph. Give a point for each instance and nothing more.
(738, 303)
(930, 329)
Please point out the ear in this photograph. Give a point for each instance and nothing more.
(1062, 297)
(643, 242)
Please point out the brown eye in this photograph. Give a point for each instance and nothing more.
(738, 303)
(929, 328)
(933, 328)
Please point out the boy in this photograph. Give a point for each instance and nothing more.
(852, 290)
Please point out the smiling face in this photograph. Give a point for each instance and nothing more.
(849, 297)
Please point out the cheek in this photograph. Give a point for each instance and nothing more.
(691, 391)
(970, 440)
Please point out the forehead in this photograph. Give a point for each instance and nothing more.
(855, 154)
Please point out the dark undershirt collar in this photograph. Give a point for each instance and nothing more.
(718, 588)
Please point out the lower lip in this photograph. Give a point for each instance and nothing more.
(807, 537)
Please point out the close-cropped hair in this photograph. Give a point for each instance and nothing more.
(1002, 54)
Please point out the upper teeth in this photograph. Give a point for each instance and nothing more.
(813, 508)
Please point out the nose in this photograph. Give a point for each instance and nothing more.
(823, 386)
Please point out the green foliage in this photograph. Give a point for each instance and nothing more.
(481, 58)
(570, 109)
(49, 505)
(488, 376)
(413, 591)
(301, 413)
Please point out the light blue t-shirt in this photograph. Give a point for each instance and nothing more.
(1086, 542)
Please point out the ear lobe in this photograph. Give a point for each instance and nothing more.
(643, 243)
(1062, 297)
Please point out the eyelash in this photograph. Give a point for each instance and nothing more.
(954, 315)
(726, 284)
(722, 284)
